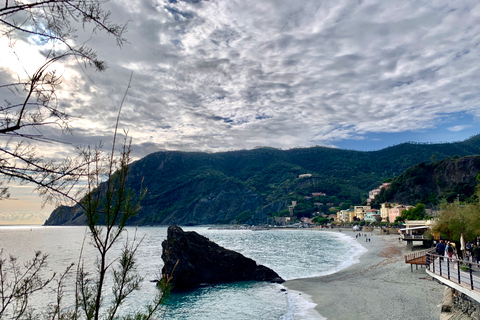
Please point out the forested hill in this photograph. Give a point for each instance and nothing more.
(428, 183)
(248, 185)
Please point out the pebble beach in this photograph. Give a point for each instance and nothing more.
(380, 286)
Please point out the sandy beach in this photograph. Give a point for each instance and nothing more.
(381, 286)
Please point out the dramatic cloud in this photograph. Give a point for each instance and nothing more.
(221, 75)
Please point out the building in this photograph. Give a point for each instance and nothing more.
(332, 216)
(282, 221)
(373, 193)
(371, 215)
(318, 194)
(351, 216)
(396, 211)
(343, 215)
(360, 211)
(306, 175)
(384, 210)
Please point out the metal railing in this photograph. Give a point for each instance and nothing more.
(464, 273)
(416, 255)
(414, 236)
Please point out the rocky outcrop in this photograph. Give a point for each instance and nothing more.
(64, 215)
(429, 183)
(201, 261)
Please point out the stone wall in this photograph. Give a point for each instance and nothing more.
(463, 304)
(458, 306)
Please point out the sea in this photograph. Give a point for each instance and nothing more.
(292, 253)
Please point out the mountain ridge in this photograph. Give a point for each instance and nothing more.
(250, 185)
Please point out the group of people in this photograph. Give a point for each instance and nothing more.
(472, 250)
(363, 235)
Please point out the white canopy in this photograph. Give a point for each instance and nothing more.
(415, 228)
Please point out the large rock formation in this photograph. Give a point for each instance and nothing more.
(428, 183)
(201, 261)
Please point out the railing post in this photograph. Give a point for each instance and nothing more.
(458, 269)
(440, 265)
(471, 276)
(448, 268)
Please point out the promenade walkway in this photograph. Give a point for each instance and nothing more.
(463, 276)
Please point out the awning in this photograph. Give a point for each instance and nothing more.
(415, 228)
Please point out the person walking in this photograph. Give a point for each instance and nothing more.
(441, 249)
(468, 250)
(475, 253)
(450, 250)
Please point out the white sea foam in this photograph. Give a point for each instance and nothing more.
(300, 307)
(354, 254)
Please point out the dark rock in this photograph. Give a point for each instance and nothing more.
(201, 261)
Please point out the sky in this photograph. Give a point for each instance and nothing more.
(227, 75)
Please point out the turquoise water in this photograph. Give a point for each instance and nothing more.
(291, 253)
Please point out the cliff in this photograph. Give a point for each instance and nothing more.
(430, 183)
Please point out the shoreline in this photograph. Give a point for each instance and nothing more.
(380, 286)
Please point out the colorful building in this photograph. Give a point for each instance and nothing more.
(371, 215)
(360, 211)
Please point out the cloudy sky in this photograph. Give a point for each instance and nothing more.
(226, 75)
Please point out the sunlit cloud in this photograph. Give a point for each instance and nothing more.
(22, 218)
(458, 128)
(227, 75)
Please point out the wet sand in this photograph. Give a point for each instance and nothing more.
(381, 286)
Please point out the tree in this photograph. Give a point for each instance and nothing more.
(30, 102)
(414, 213)
(320, 220)
(455, 219)
(26, 280)
(107, 206)
(111, 203)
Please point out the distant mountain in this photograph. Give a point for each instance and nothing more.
(248, 185)
(432, 182)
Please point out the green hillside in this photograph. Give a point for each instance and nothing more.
(249, 185)
(429, 183)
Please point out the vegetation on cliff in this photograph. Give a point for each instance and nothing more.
(251, 185)
(429, 183)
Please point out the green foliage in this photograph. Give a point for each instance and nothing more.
(432, 182)
(414, 213)
(18, 282)
(179, 182)
(244, 216)
(456, 219)
(320, 220)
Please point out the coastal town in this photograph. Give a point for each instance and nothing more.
(388, 213)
